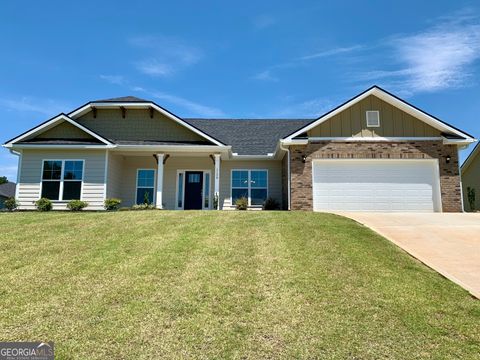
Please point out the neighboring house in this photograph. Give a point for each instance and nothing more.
(373, 153)
(471, 178)
(7, 190)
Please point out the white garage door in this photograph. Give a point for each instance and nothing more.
(376, 185)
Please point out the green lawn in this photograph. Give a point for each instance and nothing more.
(161, 284)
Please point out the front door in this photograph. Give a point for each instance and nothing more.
(193, 190)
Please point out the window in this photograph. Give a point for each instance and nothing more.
(145, 186)
(252, 184)
(373, 118)
(62, 179)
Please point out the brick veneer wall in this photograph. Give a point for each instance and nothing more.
(301, 173)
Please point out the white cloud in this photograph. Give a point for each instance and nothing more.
(194, 109)
(166, 55)
(309, 108)
(46, 107)
(10, 171)
(265, 76)
(432, 60)
(331, 52)
(263, 21)
(268, 74)
(113, 79)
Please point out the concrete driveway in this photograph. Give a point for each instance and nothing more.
(447, 242)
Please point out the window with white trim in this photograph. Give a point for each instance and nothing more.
(62, 179)
(145, 186)
(251, 184)
(373, 118)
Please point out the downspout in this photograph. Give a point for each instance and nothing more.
(460, 175)
(288, 173)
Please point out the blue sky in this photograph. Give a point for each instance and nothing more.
(231, 59)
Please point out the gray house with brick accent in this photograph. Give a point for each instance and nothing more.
(375, 152)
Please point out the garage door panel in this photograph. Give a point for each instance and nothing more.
(375, 185)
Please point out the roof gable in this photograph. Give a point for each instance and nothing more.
(392, 100)
(50, 126)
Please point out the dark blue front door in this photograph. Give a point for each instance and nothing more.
(193, 190)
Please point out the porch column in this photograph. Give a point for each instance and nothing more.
(217, 180)
(158, 202)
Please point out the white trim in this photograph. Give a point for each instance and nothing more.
(59, 147)
(144, 105)
(436, 190)
(62, 180)
(249, 188)
(183, 172)
(146, 187)
(216, 189)
(461, 182)
(378, 117)
(392, 101)
(373, 138)
(19, 171)
(269, 156)
(50, 123)
(178, 148)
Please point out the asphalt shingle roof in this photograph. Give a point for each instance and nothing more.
(122, 99)
(7, 190)
(249, 136)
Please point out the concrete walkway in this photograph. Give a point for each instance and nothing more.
(447, 242)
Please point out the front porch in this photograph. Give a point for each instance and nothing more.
(182, 180)
(174, 180)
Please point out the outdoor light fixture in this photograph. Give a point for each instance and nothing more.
(448, 159)
(304, 158)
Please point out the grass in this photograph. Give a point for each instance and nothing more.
(150, 284)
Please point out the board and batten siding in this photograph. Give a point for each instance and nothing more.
(393, 122)
(93, 188)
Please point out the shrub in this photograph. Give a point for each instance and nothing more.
(271, 204)
(471, 198)
(44, 204)
(146, 199)
(215, 202)
(241, 203)
(112, 204)
(10, 204)
(143, 207)
(77, 205)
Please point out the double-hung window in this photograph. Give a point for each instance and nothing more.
(145, 186)
(62, 179)
(251, 184)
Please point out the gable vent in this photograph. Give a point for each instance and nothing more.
(373, 118)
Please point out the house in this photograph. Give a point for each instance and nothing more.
(470, 172)
(375, 152)
(7, 190)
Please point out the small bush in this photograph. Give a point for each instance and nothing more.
(44, 204)
(143, 207)
(112, 204)
(77, 205)
(471, 198)
(271, 204)
(241, 203)
(10, 204)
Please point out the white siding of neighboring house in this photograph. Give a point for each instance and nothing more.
(29, 184)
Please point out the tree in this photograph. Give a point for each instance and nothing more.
(3, 180)
(471, 198)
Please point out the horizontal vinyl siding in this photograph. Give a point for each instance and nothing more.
(93, 188)
(274, 168)
(128, 186)
(114, 183)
